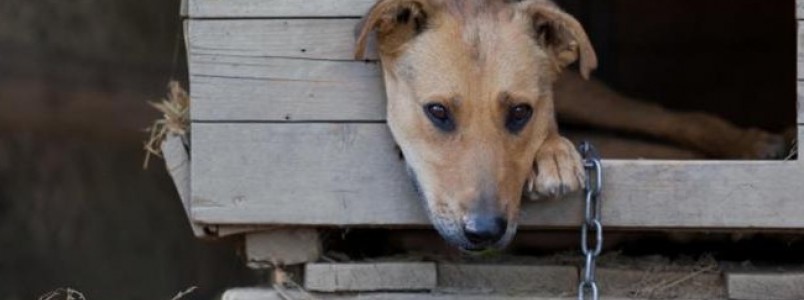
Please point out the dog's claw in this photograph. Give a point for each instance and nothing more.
(558, 170)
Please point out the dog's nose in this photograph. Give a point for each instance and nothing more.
(484, 229)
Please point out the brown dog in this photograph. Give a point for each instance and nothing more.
(473, 87)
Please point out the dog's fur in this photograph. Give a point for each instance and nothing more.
(481, 58)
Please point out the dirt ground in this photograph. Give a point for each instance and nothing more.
(76, 208)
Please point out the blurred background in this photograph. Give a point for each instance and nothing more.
(76, 207)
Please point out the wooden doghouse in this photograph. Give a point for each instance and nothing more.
(288, 131)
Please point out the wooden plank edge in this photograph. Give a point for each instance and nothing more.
(270, 294)
(278, 8)
(765, 285)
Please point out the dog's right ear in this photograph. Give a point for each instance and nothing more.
(562, 35)
(395, 22)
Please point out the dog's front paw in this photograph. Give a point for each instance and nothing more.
(558, 170)
(758, 144)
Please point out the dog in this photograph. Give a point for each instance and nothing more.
(473, 89)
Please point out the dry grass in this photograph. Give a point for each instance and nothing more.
(287, 288)
(63, 294)
(184, 293)
(793, 150)
(175, 119)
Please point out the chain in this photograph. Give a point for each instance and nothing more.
(587, 289)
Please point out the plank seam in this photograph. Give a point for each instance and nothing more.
(349, 17)
(202, 121)
(366, 61)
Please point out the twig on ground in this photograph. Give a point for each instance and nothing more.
(184, 293)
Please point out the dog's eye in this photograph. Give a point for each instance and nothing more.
(440, 116)
(518, 117)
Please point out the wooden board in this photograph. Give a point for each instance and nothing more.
(269, 294)
(799, 9)
(281, 89)
(509, 279)
(799, 106)
(248, 169)
(296, 9)
(366, 276)
(350, 175)
(277, 8)
(296, 69)
(331, 39)
(766, 286)
(800, 51)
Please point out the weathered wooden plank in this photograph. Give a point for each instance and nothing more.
(510, 279)
(291, 8)
(358, 277)
(296, 69)
(800, 51)
(299, 173)
(661, 283)
(183, 11)
(281, 247)
(269, 294)
(349, 174)
(300, 38)
(277, 8)
(247, 88)
(280, 70)
(799, 106)
(765, 286)
(177, 163)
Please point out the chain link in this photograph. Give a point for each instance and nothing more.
(587, 289)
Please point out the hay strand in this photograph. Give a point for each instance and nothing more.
(63, 293)
(175, 119)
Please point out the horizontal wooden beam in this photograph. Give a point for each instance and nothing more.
(331, 39)
(282, 89)
(351, 175)
(295, 69)
(277, 8)
(269, 294)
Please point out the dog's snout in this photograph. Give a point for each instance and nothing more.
(484, 229)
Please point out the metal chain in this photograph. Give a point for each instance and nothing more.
(587, 289)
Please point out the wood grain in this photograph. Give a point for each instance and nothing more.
(332, 39)
(298, 69)
(362, 277)
(800, 51)
(277, 8)
(349, 174)
(282, 89)
(766, 286)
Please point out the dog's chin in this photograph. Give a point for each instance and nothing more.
(452, 233)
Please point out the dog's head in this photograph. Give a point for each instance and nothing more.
(469, 87)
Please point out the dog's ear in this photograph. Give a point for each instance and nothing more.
(395, 22)
(562, 35)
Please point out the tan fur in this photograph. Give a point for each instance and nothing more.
(479, 58)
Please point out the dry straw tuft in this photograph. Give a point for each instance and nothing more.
(63, 294)
(184, 293)
(175, 120)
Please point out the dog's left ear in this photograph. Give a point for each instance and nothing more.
(562, 35)
(395, 22)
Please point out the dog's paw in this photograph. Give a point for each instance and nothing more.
(558, 170)
(759, 144)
